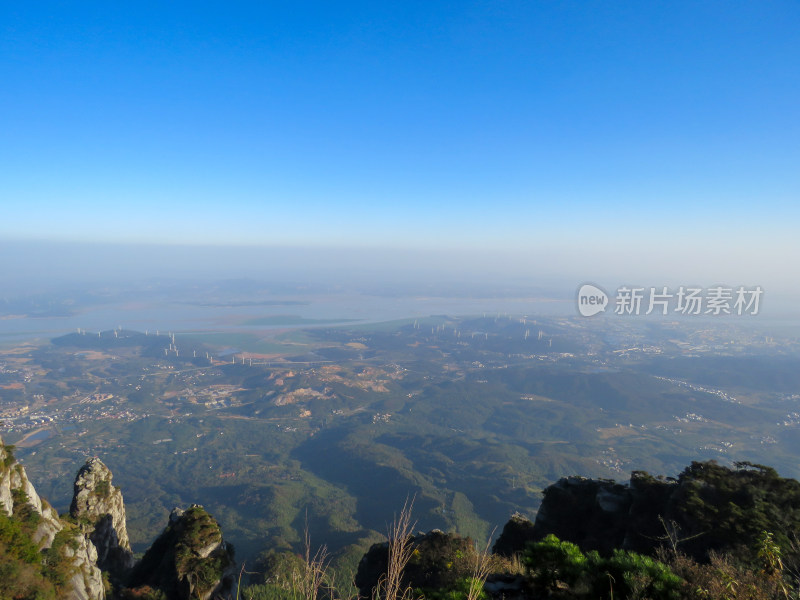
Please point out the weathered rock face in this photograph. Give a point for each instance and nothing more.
(596, 514)
(593, 511)
(599, 514)
(87, 582)
(14, 479)
(98, 506)
(189, 560)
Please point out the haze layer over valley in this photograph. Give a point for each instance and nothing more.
(268, 400)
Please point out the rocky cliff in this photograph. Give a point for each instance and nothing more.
(86, 581)
(14, 482)
(597, 514)
(63, 558)
(100, 510)
(590, 510)
(708, 507)
(71, 558)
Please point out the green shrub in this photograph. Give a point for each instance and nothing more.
(58, 568)
(16, 542)
(552, 564)
(22, 581)
(143, 593)
(267, 591)
(21, 563)
(459, 591)
(552, 560)
(632, 575)
(276, 568)
(8, 455)
(23, 510)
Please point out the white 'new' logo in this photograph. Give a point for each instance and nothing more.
(591, 300)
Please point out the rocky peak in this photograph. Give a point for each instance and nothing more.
(189, 560)
(99, 509)
(176, 515)
(516, 533)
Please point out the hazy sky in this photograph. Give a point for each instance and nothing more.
(635, 139)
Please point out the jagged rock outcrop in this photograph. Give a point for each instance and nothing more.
(516, 533)
(99, 509)
(438, 559)
(189, 560)
(596, 514)
(709, 507)
(62, 542)
(593, 511)
(600, 514)
(14, 480)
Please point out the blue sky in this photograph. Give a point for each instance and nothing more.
(653, 136)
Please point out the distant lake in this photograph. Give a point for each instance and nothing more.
(284, 313)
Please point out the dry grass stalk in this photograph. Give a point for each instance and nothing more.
(480, 570)
(307, 582)
(390, 585)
